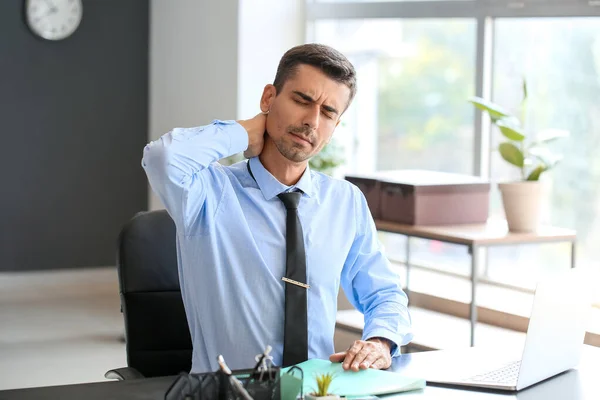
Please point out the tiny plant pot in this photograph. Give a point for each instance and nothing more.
(328, 397)
(522, 203)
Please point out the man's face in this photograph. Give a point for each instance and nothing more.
(303, 116)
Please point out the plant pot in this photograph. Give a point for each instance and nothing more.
(328, 397)
(522, 205)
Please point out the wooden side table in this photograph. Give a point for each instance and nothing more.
(494, 233)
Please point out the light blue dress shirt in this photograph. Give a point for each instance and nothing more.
(231, 250)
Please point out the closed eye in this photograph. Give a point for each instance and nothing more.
(326, 114)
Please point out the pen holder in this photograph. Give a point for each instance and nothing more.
(195, 387)
(263, 385)
(218, 386)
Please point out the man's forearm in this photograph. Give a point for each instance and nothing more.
(183, 152)
(174, 163)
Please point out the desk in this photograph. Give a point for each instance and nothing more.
(578, 384)
(494, 233)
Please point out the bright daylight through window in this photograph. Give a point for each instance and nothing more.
(415, 76)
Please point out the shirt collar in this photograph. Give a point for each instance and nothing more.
(271, 187)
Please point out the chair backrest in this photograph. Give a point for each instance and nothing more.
(156, 329)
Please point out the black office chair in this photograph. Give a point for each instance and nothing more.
(156, 329)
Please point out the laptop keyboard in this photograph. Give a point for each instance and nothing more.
(507, 374)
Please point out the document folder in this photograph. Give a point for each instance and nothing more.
(362, 383)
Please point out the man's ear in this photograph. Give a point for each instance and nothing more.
(269, 94)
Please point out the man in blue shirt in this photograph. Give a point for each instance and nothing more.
(231, 227)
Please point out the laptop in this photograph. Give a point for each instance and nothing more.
(554, 340)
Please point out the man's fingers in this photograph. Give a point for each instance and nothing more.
(369, 360)
(337, 357)
(361, 356)
(351, 353)
(378, 364)
(382, 363)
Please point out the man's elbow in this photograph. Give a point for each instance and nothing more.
(152, 155)
(157, 161)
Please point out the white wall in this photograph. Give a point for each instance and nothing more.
(193, 65)
(211, 59)
(267, 29)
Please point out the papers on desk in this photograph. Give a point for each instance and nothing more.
(362, 383)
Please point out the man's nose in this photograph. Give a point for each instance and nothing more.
(312, 116)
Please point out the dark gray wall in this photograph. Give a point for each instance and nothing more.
(73, 123)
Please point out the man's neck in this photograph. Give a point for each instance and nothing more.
(284, 170)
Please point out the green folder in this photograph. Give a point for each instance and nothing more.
(362, 383)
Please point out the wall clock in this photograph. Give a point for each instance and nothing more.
(53, 19)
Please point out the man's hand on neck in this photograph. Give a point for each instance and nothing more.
(256, 128)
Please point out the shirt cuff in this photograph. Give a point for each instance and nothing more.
(396, 339)
(238, 136)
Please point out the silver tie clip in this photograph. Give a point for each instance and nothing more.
(293, 282)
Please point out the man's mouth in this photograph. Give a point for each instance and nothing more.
(301, 138)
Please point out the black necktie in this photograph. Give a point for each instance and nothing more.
(295, 334)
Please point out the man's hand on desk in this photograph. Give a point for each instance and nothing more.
(371, 353)
(256, 128)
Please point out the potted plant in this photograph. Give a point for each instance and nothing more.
(322, 392)
(521, 199)
(330, 157)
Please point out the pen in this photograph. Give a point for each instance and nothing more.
(235, 382)
(262, 356)
(261, 360)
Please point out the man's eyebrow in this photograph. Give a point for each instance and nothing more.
(306, 97)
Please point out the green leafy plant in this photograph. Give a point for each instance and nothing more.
(532, 158)
(323, 383)
(330, 157)
(232, 159)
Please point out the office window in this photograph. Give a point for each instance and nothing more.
(418, 62)
(413, 77)
(560, 60)
(410, 109)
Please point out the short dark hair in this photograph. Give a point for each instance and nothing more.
(333, 64)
